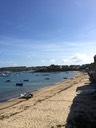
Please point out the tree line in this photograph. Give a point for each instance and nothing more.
(50, 68)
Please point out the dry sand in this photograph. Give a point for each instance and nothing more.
(50, 107)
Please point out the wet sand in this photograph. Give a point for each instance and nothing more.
(49, 107)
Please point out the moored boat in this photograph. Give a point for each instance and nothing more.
(46, 78)
(26, 95)
(65, 78)
(25, 80)
(19, 84)
(8, 81)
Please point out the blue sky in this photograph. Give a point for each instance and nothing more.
(44, 32)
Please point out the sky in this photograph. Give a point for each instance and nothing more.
(45, 32)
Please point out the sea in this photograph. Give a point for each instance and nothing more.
(31, 82)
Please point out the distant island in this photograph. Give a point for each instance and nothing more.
(51, 68)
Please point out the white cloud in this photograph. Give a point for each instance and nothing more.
(52, 52)
(78, 59)
(48, 62)
(52, 61)
(30, 56)
(8, 64)
(43, 61)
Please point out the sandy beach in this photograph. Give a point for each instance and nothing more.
(50, 107)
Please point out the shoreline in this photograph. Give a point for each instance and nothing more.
(43, 105)
(13, 101)
(33, 87)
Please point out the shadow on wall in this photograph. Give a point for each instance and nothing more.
(83, 110)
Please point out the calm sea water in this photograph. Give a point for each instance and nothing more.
(34, 82)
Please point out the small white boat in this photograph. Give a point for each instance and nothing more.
(4, 74)
(26, 95)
